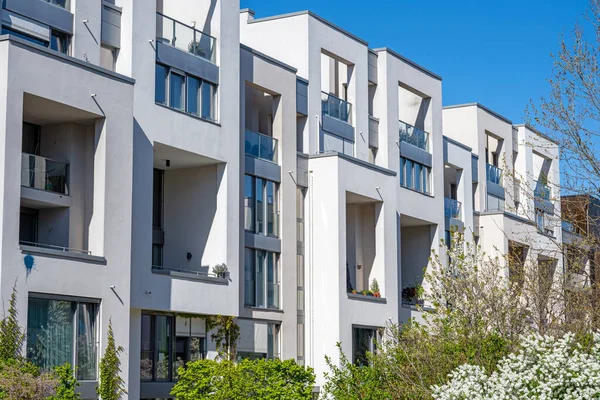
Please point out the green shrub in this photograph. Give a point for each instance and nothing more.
(261, 379)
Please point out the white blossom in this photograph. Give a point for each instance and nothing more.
(544, 368)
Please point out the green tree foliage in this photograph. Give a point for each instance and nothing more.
(260, 379)
(112, 386)
(67, 384)
(353, 382)
(11, 335)
(225, 336)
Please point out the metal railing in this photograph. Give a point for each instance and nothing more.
(185, 37)
(493, 174)
(336, 107)
(261, 146)
(451, 208)
(196, 272)
(54, 247)
(45, 174)
(66, 4)
(542, 191)
(414, 136)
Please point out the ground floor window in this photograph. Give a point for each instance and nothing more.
(258, 340)
(364, 341)
(169, 342)
(63, 330)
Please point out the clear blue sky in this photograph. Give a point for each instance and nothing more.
(496, 53)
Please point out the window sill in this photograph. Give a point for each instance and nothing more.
(188, 114)
(191, 276)
(275, 310)
(417, 191)
(64, 255)
(371, 299)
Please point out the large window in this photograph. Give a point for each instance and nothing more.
(261, 279)
(261, 206)
(168, 343)
(364, 340)
(184, 92)
(62, 330)
(415, 176)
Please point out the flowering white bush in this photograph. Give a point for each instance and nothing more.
(545, 368)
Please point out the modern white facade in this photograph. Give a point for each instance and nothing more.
(164, 139)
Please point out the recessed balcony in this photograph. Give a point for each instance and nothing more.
(184, 37)
(452, 208)
(336, 108)
(261, 146)
(43, 173)
(493, 174)
(414, 136)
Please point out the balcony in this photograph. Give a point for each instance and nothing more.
(414, 136)
(44, 174)
(542, 191)
(53, 247)
(452, 208)
(185, 38)
(336, 108)
(493, 174)
(261, 146)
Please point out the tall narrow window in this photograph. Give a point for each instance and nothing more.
(160, 84)
(363, 342)
(260, 203)
(208, 101)
(193, 95)
(248, 203)
(177, 91)
(59, 41)
(157, 198)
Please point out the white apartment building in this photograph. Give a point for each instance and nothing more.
(161, 139)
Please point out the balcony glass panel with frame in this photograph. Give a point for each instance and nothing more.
(336, 108)
(185, 38)
(414, 136)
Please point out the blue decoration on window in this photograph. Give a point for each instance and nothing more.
(28, 261)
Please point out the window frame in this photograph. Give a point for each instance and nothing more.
(261, 280)
(262, 210)
(415, 176)
(374, 340)
(75, 321)
(172, 345)
(213, 117)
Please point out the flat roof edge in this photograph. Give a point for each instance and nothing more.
(534, 130)
(409, 61)
(63, 57)
(484, 108)
(457, 143)
(268, 58)
(315, 16)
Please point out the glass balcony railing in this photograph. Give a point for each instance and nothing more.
(493, 174)
(542, 191)
(44, 174)
(53, 247)
(261, 146)
(66, 4)
(336, 107)
(414, 136)
(184, 37)
(451, 208)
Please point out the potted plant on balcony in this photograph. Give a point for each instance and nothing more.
(413, 295)
(375, 288)
(196, 48)
(221, 271)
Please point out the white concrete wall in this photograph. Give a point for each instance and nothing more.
(110, 233)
